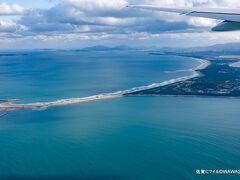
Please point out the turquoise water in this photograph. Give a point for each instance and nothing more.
(42, 76)
(126, 138)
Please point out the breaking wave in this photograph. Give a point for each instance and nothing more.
(9, 105)
(203, 65)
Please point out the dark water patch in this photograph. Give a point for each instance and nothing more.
(11, 55)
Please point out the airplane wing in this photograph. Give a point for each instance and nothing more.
(231, 17)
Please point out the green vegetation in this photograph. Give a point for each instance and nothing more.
(218, 79)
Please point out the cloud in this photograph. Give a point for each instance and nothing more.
(96, 16)
(97, 5)
(87, 20)
(11, 26)
(11, 9)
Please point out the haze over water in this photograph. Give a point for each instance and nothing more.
(125, 138)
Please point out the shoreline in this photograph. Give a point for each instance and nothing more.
(63, 102)
(9, 105)
(218, 80)
(235, 64)
(196, 96)
(203, 64)
(195, 73)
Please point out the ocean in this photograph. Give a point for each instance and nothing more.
(123, 138)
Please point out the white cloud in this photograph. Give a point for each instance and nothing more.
(102, 20)
(96, 5)
(11, 26)
(70, 15)
(11, 9)
(201, 22)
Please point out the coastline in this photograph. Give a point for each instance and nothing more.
(235, 64)
(203, 64)
(195, 73)
(63, 102)
(9, 105)
(218, 80)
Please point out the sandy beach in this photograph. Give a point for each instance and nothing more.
(236, 64)
(10, 105)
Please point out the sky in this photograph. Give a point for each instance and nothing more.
(69, 24)
(30, 3)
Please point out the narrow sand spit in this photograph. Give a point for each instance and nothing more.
(236, 64)
(9, 105)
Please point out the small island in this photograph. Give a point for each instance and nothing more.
(220, 78)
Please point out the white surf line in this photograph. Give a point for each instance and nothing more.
(235, 64)
(203, 64)
(164, 83)
(10, 106)
(62, 102)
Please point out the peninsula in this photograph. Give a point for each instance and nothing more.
(220, 78)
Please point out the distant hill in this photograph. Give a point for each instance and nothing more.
(106, 48)
(221, 49)
(230, 48)
(218, 47)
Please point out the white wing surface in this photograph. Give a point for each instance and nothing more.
(231, 17)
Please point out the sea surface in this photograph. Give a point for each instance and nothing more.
(135, 138)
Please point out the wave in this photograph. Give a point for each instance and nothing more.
(235, 64)
(203, 64)
(9, 105)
